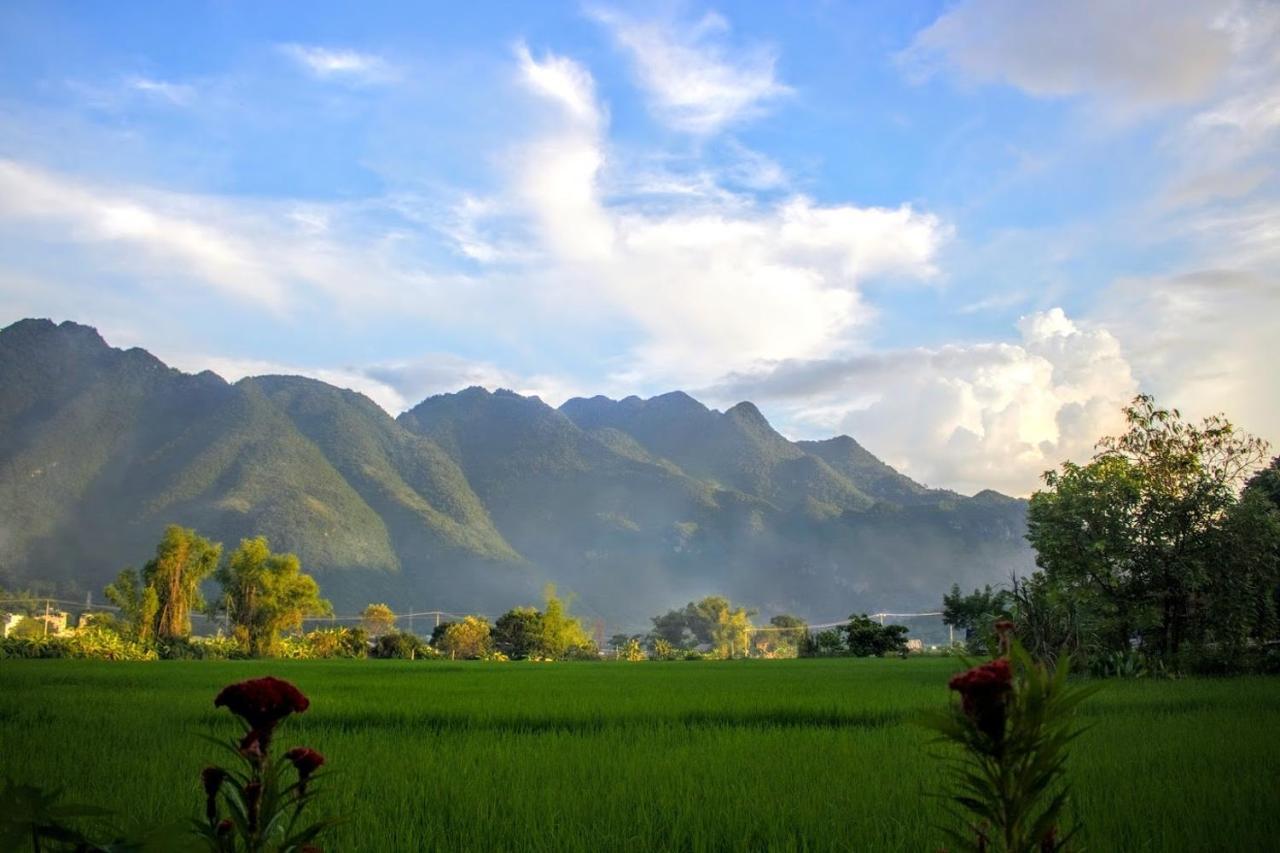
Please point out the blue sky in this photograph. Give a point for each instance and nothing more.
(964, 233)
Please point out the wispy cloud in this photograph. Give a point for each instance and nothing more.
(340, 63)
(1048, 48)
(179, 94)
(695, 79)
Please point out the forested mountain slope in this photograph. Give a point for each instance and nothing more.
(468, 500)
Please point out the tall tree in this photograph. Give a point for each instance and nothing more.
(518, 633)
(865, 637)
(378, 619)
(183, 560)
(267, 593)
(561, 634)
(1137, 531)
(974, 614)
(469, 638)
(139, 605)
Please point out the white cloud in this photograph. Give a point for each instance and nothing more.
(150, 235)
(339, 63)
(234, 369)
(695, 80)
(394, 386)
(708, 284)
(441, 373)
(178, 94)
(986, 415)
(279, 255)
(1132, 50)
(1204, 342)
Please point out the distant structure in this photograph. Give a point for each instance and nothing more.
(9, 621)
(55, 622)
(915, 646)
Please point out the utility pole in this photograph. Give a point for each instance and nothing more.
(46, 617)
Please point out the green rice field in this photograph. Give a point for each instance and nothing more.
(742, 755)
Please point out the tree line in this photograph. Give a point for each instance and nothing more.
(262, 593)
(1162, 551)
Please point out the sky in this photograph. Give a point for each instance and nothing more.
(964, 233)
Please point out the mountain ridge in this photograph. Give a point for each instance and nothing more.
(475, 497)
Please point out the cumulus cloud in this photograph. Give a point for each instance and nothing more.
(339, 63)
(707, 285)
(1131, 50)
(696, 81)
(1203, 341)
(985, 415)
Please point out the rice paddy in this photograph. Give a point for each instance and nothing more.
(743, 755)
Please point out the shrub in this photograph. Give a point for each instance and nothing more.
(399, 645)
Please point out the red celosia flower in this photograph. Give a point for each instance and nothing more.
(212, 777)
(984, 691)
(262, 702)
(224, 827)
(305, 761)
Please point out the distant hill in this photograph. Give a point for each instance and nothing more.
(468, 500)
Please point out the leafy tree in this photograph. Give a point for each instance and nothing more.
(1267, 483)
(560, 634)
(865, 637)
(183, 560)
(975, 614)
(378, 619)
(518, 632)
(632, 650)
(469, 638)
(267, 593)
(139, 605)
(1239, 601)
(826, 643)
(672, 627)
(437, 634)
(792, 629)
(660, 649)
(398, 644)
(1137, 533)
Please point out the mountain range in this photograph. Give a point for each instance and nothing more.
(468, 501)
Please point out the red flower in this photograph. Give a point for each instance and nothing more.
(305, 761)
(262, 702)
(984, 690)
(212, 777)
(224, 828)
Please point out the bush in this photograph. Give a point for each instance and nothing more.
(400, 645)
(97, 643)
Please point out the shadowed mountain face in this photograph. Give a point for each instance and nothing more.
(468, 500)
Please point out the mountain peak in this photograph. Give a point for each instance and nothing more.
(746, 412)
